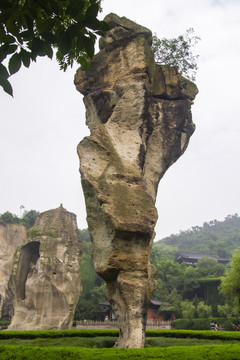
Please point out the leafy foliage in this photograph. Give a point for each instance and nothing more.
(94, 290)
(188, 309)
(32, 28)
(28, 219)
(218, 238)
(9, 218)
(203, 310)
(230, 285)
(178, 52)
(218, 352)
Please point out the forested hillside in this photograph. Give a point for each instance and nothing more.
(219, 238)
(188, 291)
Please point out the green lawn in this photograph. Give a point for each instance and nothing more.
(98, 344)
(216, 352)
(109, 341)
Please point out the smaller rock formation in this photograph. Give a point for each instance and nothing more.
(45, 279)
(11, 237)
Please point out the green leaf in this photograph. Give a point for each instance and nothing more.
(92, 11)
(3, 51)
(89, 46)
(49, 37)
(75, 8)
(26, 57)
(14, 63)
(26, 35)
(3, 72)
(5, 4)
(45, 26)
(73, 30)
(8, 39)
(11, 49)
(7, 87)
(11, 24)
(104, 26)
(28, 22)
(33, 11)
(37, 46)
(80, 43)
(7, 49)
(65, 43)
(48, 50)
(56, 9)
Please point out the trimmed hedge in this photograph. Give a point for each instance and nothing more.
(33, 334)
(221, 335)
(207, 334)
(219, 352)
(4, 322)
(203, 324)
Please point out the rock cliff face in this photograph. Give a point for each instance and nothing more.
(11, 237)
(140, 121)
(45, 279)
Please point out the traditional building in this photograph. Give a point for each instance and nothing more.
(191, 258)
(153, 313)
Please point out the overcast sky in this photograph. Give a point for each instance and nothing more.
(42, 125)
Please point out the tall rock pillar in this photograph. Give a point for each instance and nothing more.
(140, 121)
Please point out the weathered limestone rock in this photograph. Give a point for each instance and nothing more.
(11, 237)
(140, 121)
(45, 280)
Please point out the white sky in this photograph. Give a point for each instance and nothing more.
(42, 125)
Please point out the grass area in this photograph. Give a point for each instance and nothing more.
(109, 341)
(167, 342)
(98, 344)
(217, 352)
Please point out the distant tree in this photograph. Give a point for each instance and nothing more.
(170, 276)
(10, 218)
(203, 310)
(178, 52)
(85, 236)
(219, 239)
(93, 287)
(230, 284)
(208, 267)
(29, 218)
(190, 279)
(175, 299)
(188, 309)
(225, 310)
(32, 28)
(89, 303)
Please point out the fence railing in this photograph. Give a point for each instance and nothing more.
(113, 324)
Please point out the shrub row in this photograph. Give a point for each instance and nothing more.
(219, 352)
(4, 322)
(207, 334)
(203, 324)
(33, 334)
(222, 335)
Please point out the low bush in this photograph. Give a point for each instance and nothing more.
(223, 335)
(4, 322)
(56, 333)
(219, 352)
(207, 334)
(204, 324)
